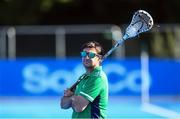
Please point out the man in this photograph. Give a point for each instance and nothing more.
(90, 98)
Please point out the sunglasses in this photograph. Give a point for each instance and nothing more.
(89, 54)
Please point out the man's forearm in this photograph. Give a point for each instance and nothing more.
(79, 103)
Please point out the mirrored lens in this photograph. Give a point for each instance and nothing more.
(83, 54)
(91, 55)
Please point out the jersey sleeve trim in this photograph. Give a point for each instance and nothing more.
(87, 96)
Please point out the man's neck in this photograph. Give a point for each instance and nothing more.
(90, 69)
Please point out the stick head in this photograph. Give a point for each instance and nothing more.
(141, 22)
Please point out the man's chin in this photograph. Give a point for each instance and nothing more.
(88, 66)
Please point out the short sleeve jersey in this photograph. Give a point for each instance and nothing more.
(94, 88)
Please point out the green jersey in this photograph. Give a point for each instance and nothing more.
(93, 87)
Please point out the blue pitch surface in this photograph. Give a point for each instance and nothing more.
(48, 107)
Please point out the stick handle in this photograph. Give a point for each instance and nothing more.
(73, 87)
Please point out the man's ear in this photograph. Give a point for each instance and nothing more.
(100, 58)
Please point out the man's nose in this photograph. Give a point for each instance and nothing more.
(86, 57)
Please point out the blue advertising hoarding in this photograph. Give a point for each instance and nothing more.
(49, 77)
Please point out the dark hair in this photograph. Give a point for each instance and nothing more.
(93, 44)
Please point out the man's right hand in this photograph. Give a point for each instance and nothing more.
(68, 93)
